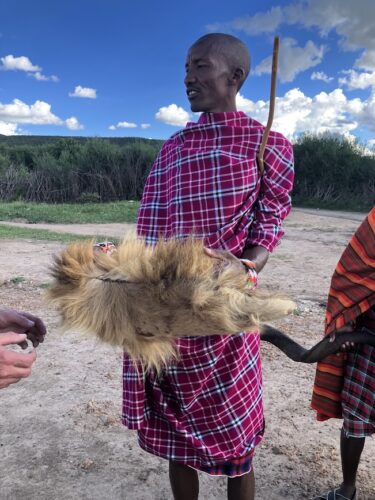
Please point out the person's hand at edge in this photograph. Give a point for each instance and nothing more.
(14, 365)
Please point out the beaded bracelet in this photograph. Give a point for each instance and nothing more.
(252, 275)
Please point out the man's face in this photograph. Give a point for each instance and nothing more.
(208, 80)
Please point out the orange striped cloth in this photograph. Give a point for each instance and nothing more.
(351, 294)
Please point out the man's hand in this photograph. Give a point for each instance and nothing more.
(257, 254)
(223, 255)
(13, 365)
(347, 345)
(22, 322)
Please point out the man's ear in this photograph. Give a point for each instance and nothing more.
(238, 77)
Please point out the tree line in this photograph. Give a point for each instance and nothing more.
(330, 171)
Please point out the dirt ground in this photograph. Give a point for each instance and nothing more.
(61, 438)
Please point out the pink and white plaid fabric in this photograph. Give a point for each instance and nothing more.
(207, 408)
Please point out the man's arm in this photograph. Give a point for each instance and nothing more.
(274, 201)
(257, 254)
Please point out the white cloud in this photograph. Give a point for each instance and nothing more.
(297, 113)
(352, 21)
(39, 76)
(123, 125)
(23, 63)
(262, 22)
(367, 60)
(7, 128)
(73, 124)
(173, 115)
(84, 92)
(320, 75)
(357, 80)
(39, 113)
(145, 125)
(126, 125)
(293, 59)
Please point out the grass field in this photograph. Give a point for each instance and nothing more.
(12, 233)
(120, 211)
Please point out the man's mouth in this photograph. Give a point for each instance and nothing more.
(191, 93)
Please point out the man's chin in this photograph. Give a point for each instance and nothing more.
(196, 107)
(199, 106)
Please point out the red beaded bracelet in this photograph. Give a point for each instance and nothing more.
(252, 275)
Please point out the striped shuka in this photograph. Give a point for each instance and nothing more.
(352, 294)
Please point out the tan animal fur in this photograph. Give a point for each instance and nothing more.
(141, 297)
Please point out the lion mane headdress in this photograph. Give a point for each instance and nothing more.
(143, 297)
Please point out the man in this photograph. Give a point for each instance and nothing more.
(345, 384)
(15, 328)
(205, 412)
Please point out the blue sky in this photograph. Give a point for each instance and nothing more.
(116, 68)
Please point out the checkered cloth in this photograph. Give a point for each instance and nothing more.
(351, 297)
(206, 409)
(358, 394)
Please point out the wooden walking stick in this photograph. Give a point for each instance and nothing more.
(266, 133)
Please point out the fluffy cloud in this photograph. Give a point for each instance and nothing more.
(297, 113)
(84, 92)
(73, 124)
(7, 128)
(145, 125)
(293, 59)
(173, 115)
(11, 63)
(22, 63)
(367, 60)
(352, 21)
(43, 78)
(262, 22)
(38, 113)
(123, 125)
(320, 75)
(357, 80)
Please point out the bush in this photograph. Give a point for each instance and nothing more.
(332, 171)
(71, 170)
(88, 198)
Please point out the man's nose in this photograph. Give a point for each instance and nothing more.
(189, 77)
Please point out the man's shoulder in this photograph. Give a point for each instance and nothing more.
(278, 139)
(274, 139)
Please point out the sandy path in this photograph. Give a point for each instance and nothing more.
(60, 432)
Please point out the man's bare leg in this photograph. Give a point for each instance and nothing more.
(184, 481)
(242, 487)
(351, 450)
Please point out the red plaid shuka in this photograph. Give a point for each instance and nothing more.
(351, 296)
(207, 408)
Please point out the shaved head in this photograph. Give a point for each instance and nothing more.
(233, 49)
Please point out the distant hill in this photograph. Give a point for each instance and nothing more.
(40, 140)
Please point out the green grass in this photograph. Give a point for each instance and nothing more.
(17, 279)
(11, 232)
(347, 205)
(99, 213)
